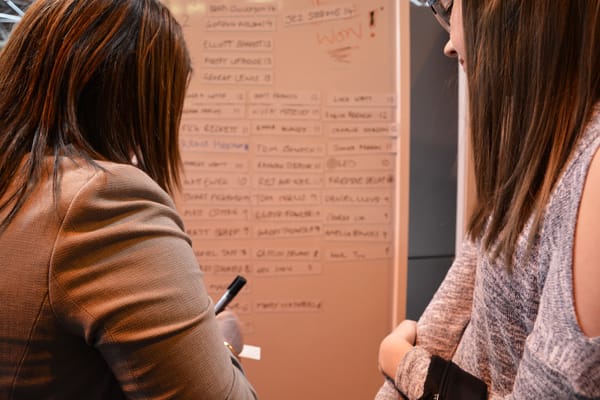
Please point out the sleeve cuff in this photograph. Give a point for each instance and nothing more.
(412, 372)
(446, 381)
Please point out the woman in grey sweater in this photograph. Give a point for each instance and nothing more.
(518, 315)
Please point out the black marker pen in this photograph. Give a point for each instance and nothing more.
(232, 291)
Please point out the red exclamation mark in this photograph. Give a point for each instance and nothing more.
(372, 22)
(372, 15)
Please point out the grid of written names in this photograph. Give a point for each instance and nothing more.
(280, 182)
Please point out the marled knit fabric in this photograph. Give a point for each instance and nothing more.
(518, 333)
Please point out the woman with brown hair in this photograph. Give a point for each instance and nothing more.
(518, 314)
(101, 296)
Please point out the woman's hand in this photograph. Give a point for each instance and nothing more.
(232, 333)
(395, 345)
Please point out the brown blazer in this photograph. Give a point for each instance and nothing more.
(101, 296)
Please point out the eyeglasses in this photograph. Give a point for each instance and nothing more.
(442, 9)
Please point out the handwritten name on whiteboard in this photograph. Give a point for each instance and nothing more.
(362, 179)
(235, 197)
(218, 128)
(214, 111)
(283, 111)
(238, 44)
(218, 145)
(362, 198)
(354, 215)
(286, 214)
(358, 233)
(287, 253)
(286, 128)
(363, 146)
(345, 253)
(227, 268)
(216, 213)
(319, 14)
(237, 77)
(240, 24)
(205, 163)
(276, 164)
(223, 251)
(226, 231)
(284, 97)
(367, 130)
(237, 306)
(218, 96)
(206, 181)
(286, 268)
(361, 99)
(241, 9)
(216, 60)
(296, 181)
(304, 305)
(357, 163)
(272, 148)
(291, 230)
(278, 197)
(365, 114)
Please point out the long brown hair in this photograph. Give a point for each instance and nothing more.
(98, 80)
(533, 72)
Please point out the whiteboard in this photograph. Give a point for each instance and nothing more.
(295, 147)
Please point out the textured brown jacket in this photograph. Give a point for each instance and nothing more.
(101, 296)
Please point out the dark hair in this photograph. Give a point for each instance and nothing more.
(98, 80)
(533, 72)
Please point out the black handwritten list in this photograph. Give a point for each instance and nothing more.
(280, 182)
(291, 150)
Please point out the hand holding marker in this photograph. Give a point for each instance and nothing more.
(232, 290)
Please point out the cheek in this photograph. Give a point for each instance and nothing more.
(457, 41)
(459, 44)
(457, 37)
(456, 29)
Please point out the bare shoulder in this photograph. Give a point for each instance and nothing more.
(586, 257)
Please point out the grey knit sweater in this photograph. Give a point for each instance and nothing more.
(518, 333)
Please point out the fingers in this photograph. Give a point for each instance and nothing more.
(391, 352)
(231, 330)
(407, 330)
(395, 345)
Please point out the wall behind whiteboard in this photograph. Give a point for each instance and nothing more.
(292, 139)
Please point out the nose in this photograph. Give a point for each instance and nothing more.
(449, 50)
